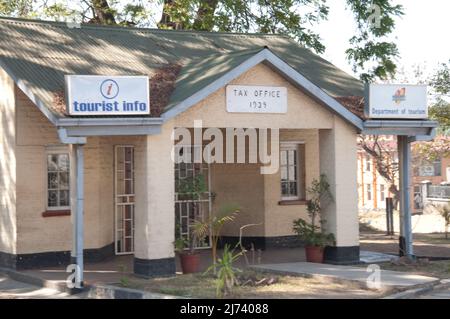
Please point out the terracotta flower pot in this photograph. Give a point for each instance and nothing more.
(190, 263)
(314, 254)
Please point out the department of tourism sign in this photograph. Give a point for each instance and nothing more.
(397, 101)
(256, 99)
(107, 95)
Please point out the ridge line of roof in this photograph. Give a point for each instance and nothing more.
(4, 19)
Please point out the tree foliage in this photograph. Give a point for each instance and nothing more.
(370, 52)
(440, 110)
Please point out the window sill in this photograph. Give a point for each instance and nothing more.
(56, 213)
(292, 202)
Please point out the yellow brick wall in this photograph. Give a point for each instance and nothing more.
(8, 222)
(40, 234)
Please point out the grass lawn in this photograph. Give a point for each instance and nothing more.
(439, 269)
(204, 286)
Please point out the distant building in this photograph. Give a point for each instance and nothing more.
(373, 188)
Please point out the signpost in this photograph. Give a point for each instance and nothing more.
(396, 101)
(256, 99)
(107, 95)
(402, 102)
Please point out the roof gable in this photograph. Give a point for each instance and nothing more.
(212, 75)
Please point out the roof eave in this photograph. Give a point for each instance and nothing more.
(79, 127)
(26, 90)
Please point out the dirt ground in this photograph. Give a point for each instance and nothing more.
(289, 287)
(434, 246)
(438, 269)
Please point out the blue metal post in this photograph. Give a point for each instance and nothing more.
(78, 222)
(404, 153)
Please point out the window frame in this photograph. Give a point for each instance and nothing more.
(382, 193)
(56, 150)
(368, 161)
(369, 192)
(300, 170)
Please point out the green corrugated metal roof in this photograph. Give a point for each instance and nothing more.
(40, 54)
(196, 74)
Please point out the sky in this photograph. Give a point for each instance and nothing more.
(421, 34)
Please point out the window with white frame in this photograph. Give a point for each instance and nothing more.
(58, 178)
(369, 191)
(382, 193)
(292, 171)
(368, 163)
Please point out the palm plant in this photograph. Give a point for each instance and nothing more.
(213, 225)
(226, 273)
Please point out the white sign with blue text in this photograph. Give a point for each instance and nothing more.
(256, 99)
(397, 101)
(107, 95)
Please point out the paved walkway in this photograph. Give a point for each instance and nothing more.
(371, 257)
(439, 294)
(360, 274)
(12, 289)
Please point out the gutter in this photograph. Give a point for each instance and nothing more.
(417, 130)
(130, 121)
(71, 129)
(399, 123)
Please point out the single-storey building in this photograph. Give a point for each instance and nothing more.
(118, 172)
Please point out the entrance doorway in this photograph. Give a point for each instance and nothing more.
(124, 199)
(190, 204)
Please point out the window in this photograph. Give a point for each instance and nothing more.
(58, 188)
(425, 169)
(382, 193)
(369, 191)
(368, 163)
(292, 170)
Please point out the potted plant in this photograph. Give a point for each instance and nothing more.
(190, 189)
(189, 258)
(313, 235)
(314, 238)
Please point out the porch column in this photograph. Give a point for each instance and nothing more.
(404, 156)
(338, 161)
(424, 191)
(77, 208)
(155, 208)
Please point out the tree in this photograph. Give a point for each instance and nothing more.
(440, 112)
(108, 12)
(385, 163)
(370, 52)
